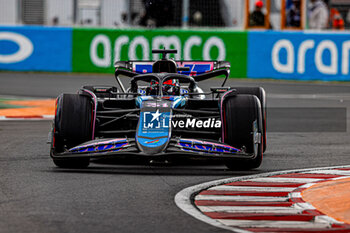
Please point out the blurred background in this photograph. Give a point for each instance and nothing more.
(278, 39)
(233, 14)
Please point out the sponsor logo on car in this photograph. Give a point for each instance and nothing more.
(157, 120)
(196, 123)
(152, 142)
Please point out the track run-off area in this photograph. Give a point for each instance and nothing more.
(35, 196)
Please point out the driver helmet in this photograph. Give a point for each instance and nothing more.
(170, 87)
(153, 88)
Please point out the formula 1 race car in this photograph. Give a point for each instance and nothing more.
(163, 115)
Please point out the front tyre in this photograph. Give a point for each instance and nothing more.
(260, 93)
(242, 122)
(72, 126)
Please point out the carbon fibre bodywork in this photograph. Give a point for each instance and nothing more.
(132, 123)
(161, 140)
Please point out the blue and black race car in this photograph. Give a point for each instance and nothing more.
(163, 115)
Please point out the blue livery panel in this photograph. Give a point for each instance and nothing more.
(154, 127)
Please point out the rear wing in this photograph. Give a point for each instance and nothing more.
(195, 67)
(199, 70)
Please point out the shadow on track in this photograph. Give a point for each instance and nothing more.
(147, 170)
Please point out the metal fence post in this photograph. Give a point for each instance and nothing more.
(185, 13)
(75, 12)
(19, 12)
(129, 12)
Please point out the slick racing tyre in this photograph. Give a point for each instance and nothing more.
(242, 122)
(260, 93)
(72, 126)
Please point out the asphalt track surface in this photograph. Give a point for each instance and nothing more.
(35, 196)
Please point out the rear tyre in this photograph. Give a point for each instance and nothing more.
(260, 93)
(242, 125)
(72, 126)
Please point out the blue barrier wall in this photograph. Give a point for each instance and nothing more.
(299, 55)
(36, 48)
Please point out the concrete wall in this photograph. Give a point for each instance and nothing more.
(62, 9)
(8, 12)
(111, 12)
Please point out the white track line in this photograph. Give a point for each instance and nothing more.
(295, 194)
(274, 224)
(284, 180)
(308, 185)
(331, 172)
(250, 188)
(251, 209)
(304, 206)
(239, 198)
(325, 218)
(39, 118)
(48, 116)
(344, 96)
